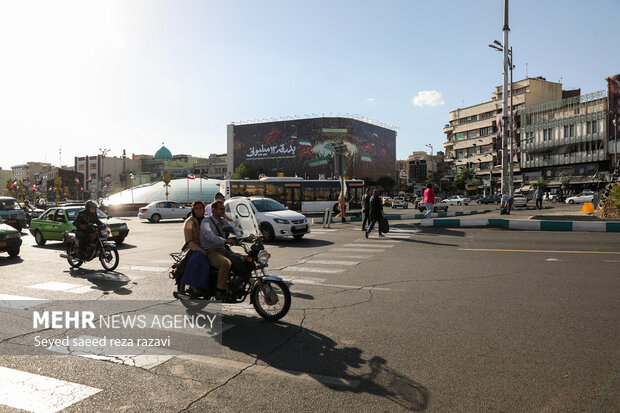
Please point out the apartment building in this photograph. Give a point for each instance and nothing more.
(27, 171)
(566, 137)
(472, 136)
(213, 167)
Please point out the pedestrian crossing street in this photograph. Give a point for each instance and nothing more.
(40, 393)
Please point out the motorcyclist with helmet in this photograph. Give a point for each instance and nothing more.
(83, 224)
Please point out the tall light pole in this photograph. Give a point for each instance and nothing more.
(506, 179)
(104, 152)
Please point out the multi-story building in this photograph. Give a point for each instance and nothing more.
(566, 137)
(402, 174)
(214, 167)
(472, 134)
(27, 171)
(105, 175)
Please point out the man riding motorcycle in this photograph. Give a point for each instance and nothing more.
(83, 225)
(213, 240)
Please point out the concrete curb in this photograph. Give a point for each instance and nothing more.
(410, 216)
(526, 224)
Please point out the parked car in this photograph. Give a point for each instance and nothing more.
(490, 199)
(457, 200)
(53, 222)
(12, 213)
(274, 219)
(519, 200)
(400, 202)
(585, 196)
(438, 206)
(158, 210)
(10, 239)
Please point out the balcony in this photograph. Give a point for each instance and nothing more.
(448, 128)
(448, 144)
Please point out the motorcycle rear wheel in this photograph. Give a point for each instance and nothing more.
(73, 262)
(109, 258)
(272, 301)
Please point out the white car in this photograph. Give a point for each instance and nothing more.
(519, 200)
(436, 207)
(158, 210)
(276, 220)
(457, 200)
(585, 196)
(399, 202)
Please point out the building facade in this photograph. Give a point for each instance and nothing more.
(214, 167)
(304, 147)
(472, 136)
(567, 137)
(27, 171)
(105, 175)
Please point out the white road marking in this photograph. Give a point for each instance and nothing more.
(390, 236)
(405, 231)
(611, 260)
(314, 269)
(64, 287)
(344, 256)
(261, 369)
(149, 269)
(17, 301)
(354, 250)
(35, 393)
(326, 262)
(369, 245)
(320, 282)
(552, 259)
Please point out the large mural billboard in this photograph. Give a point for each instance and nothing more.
(304, 147)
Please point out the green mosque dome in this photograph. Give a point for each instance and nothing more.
(163, 153)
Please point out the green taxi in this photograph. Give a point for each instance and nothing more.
(52, 223)
(10, 239)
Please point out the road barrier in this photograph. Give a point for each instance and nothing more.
(327, 218)
(526, 224)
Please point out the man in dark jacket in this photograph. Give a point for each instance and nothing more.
(366, 208)
(83, 226)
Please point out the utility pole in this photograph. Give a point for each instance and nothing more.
(124, 169)
(506, 185)
(102, 176)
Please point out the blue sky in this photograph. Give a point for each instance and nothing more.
(128, 75)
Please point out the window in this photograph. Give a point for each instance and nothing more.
(471, 151)
(485, 148)
(81, 167)
(569, 130)
(460, 136)
(485, 131)
(460, 153)
(472, 134)
(592, 127)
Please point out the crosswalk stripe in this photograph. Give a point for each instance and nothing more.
(146, 268)
(17, 301)
(398, 236)
(405, 231)
(354, 250)
(327, 262)
(314, 269)
(35, 393)
(369, 245)
(344, 256)
(64, 287)
(320, 282)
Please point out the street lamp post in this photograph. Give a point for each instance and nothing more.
(506, 119)
(104, 152)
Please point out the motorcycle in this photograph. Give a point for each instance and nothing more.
(98, 246)
(268, 293)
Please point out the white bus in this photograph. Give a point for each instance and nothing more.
(297, 194)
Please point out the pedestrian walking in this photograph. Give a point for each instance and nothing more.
(538, 195)
(429, 200)
(376, 212)
(366, 208)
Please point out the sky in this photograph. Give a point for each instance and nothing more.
(80, 76)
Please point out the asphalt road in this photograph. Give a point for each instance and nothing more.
(475, 320)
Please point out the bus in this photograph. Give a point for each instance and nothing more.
(297, 194)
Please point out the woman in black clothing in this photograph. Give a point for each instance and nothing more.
(376, 212)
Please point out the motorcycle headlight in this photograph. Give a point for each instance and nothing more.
(281, 221)
(263, 257)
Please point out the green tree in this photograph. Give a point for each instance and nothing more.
(541, 183)
(386, 182)
(244, 171)
(463, 176)
(564, 180)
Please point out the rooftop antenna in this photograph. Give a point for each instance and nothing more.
(526, 76)
(60, 157)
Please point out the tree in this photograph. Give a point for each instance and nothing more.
(541, 183)
(564, 180)
(463, 176)
(243, 171)
(386, 182)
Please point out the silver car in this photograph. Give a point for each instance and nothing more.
(158, 210)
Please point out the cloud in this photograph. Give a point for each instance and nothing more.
(428, 97)
(370, 99)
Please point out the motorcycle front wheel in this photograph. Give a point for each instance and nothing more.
(73, 262)
(109, 258)
(272, 300)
